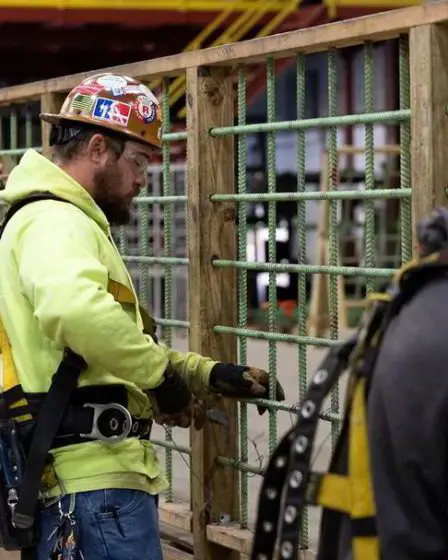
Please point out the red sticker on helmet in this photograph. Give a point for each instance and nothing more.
(145, 109)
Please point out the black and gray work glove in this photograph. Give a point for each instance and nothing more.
(175, 404)
(243, 382)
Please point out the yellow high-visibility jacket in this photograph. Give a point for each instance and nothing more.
(55, 263)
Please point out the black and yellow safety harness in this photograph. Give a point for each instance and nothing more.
(33, 424)
(289, 482)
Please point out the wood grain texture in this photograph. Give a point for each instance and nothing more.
(428, 46)
(49, 103)
(212, 291)
(385, 25)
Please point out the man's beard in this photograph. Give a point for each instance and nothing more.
(107, 182)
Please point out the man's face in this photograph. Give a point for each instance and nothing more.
(118, 179)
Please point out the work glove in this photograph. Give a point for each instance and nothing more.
(243, 382)
(192, 413)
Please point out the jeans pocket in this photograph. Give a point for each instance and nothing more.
(117, 503)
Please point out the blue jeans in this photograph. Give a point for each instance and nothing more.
(110, 525)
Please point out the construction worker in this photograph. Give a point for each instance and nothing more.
(67, 301)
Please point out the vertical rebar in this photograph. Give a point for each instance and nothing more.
(272, 228)
(301, 251)
(167, 250)
(369, 107)
(242, 281)
(405, 150)
(333, 245)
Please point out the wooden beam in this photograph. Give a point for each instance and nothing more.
(382, 26)
(178, 515)
(172, 553)
(429, 121)
(49, 103)
(212, 292)
(231, 537)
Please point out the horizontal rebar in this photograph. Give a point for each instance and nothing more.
(313, 195)
(170, 445)
(19, 151)
(173, 323)
(160, 199)
(278, 337)
(238, 465)
(307, 269)
(174, 136)
(156, 260)
(322, 122)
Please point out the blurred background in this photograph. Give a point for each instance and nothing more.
(41, 39)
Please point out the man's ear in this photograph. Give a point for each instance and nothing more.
(97, 148)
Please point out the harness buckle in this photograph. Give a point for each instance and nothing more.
(114, 418)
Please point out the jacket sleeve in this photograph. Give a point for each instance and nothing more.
(408, 431)
(194, 368)
(66, 284)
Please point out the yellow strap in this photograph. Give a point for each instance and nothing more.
(10, 378)
(9, 374)
(121, 293)
(334, 492)
(379, 296)
(364, 548)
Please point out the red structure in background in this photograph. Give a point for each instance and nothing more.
(37, 44)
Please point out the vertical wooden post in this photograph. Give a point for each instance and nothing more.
(428, 54)
(49, 103)
(212, 292)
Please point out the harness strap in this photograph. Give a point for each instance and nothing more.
(286, 480)
(365, 546)
(64, 382)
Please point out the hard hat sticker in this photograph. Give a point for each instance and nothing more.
(145, 109)
(82, 103)
(112, 111)
(88, 89)
(148, 93)
(112, 82)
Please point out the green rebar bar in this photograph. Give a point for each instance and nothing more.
(174, 136)
(333, 237)
(167, 250)
(309, 268)
(156, 260)
(14, 132)
(301, 253)
(369, 107)
(172, 323)
(320, 122)
(314, 195)
(272, 227)
(28, 129)
(175, 199)
(172, 446)
(143, 249)
(278, 337)
(242, 283)
(405, 150)
(19, 151)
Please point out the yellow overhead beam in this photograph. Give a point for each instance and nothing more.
(148, 5)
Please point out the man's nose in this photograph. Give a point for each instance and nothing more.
(140, 181)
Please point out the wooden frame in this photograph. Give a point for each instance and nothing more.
(210, 100)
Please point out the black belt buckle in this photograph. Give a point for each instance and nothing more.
(120, 417)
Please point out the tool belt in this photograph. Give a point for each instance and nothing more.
(95, 413)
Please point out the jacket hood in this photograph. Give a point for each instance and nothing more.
(36, 173)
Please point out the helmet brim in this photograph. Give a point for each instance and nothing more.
(57, 119)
